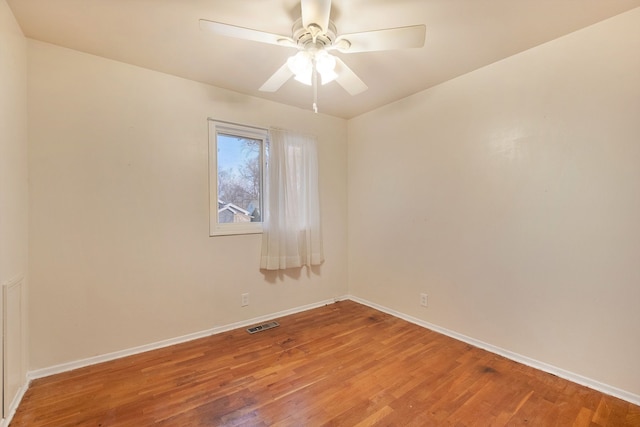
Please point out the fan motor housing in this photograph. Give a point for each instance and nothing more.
(304, 37)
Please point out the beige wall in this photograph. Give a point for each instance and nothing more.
(120, 248)
(13, 196)
(511, 196)
(13, 147)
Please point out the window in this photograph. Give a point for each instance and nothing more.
(237, 156)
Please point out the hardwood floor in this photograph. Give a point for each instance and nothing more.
(344, 364)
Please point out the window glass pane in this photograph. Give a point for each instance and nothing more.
(239, 178)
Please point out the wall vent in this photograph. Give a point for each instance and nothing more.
(263, 327)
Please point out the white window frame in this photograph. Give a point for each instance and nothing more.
(217, 127)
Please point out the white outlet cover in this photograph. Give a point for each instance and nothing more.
(423, 300)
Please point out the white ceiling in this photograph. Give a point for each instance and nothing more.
(164, 35)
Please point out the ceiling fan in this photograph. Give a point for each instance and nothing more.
(315, 36)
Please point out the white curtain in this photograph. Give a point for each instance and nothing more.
(291, 225)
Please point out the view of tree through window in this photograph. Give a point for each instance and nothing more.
(239, 179)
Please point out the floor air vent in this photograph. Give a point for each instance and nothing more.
(263, 327)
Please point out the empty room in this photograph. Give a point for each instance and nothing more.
(315, 212)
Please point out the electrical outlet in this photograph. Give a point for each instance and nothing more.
(423, 300)
(244, 298)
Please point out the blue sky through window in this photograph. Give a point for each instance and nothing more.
(232, 154)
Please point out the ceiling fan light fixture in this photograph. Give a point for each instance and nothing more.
(325, 62)
(304, 78)
(328, 76)
(300, 63)
(325, 65)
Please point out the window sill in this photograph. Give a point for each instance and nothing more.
(234, 230)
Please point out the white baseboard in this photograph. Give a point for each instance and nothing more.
(64, 367)
(567, 375)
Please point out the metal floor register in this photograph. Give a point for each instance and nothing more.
(263, 327)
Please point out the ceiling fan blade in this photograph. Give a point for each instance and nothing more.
(316, 12)
(278, 78)
(348, 79)
(388, 39)
(245, 33)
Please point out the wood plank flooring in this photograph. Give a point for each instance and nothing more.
(344, 364)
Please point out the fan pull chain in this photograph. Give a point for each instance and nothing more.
(315, 87)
